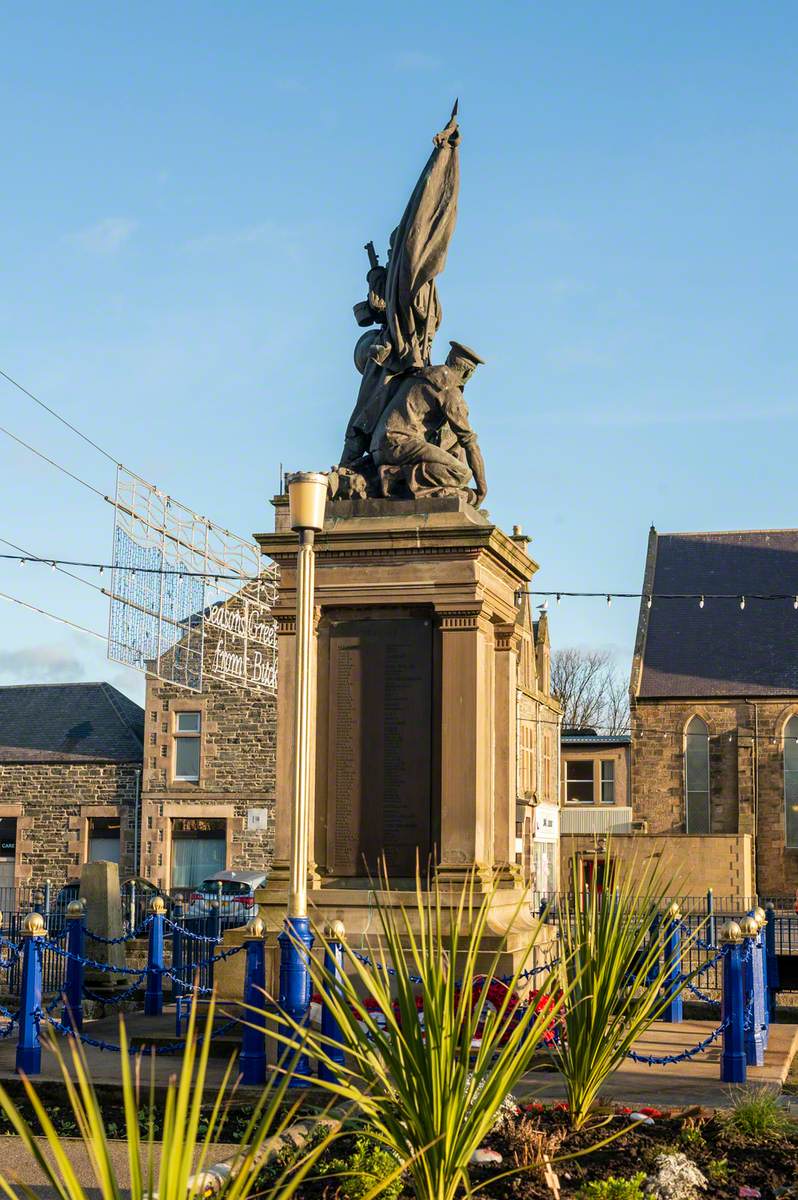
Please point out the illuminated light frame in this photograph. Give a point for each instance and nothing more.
(189, 601)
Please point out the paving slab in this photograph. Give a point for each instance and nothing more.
(17, 1165)
(679, 1084)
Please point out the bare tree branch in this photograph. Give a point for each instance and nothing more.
(591, 689)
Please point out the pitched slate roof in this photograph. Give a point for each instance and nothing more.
(683, 650)
(69, 722)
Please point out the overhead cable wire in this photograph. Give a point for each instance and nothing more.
(58, 417)
(53, 617)
(24, 556)
(98, 566)
(53, 463)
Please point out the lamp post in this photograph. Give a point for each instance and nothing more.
(307, 495)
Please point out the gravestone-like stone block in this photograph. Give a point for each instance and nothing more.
(99, 888)
(379, 775)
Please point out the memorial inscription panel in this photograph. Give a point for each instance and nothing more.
(379, 776)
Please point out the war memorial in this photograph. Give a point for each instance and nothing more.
(412, 722)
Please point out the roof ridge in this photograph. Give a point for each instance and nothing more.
(722, 532)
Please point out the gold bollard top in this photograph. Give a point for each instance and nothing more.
(760, 916)
(75, 910)
(255, 927)
(749, 927)
(731, 932)
(34, 925)
(674, 912)
(157, 906)
(336, 931)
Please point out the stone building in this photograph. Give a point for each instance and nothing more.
(70, 772)
(714, 695)
(208, 781)
(538, 755)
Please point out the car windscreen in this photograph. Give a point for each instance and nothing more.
(229, 887)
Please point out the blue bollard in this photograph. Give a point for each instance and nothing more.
(761, 919)
(674, 1010)
(772, 959)
(754, 994)
(732, 1058)
(72, 1015)
(178, 987)
(333, 965)
(153, 997)
(653, 971)
(296, 943)
(29, 1050)
(252, 1062)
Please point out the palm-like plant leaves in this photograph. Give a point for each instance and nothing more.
(431, 1095)
(615, 979)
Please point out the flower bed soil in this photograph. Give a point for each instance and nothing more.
(727, 1160)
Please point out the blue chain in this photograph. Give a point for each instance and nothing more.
(702, 996)
(105, 968)
(186, 933)
(193, 987)
(711, 962)
(100, 1044)
(214, 958)
(367, 962)
(117, 999)
(662, 1060)
(117, 941)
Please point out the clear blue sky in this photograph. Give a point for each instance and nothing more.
(186, 193)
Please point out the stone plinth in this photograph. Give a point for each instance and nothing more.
(415, 698)
(99, 888)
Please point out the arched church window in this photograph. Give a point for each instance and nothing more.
(791, 782)
(696, 774)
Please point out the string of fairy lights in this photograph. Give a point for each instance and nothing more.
(64, 565)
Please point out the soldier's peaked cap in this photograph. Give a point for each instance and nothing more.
(466, 352)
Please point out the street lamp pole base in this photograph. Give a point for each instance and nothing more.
(296, 943)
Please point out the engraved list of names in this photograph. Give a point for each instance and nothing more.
(379, 791)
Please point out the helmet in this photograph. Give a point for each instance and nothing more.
(363, 346)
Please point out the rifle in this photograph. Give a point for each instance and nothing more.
(372, 253)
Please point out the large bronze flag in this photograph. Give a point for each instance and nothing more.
(418, 254)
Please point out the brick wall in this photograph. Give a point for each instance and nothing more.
(237, 772)
(53, 802)
(746, 776)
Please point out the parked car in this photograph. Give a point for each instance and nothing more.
(235, 891)
(138, 894)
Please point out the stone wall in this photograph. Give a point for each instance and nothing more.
(689, 863)
(746, 777)
(237, 772)
(53, 802)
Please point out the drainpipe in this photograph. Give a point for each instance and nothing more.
(136, 820)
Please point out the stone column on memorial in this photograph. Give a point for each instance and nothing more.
(278, 875)
(505, 782)
(467, 686)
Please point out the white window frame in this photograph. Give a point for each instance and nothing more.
(592, 764)
(606, 762)
(179, 734)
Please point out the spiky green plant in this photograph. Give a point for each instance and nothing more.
(756, 1113)
(430, 1095)
(178, 1173)
(611, 969)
